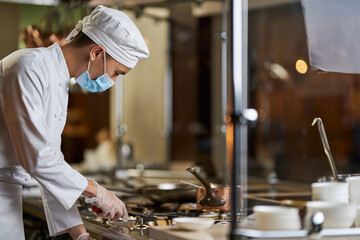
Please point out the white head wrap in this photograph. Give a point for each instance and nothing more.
(115, 31)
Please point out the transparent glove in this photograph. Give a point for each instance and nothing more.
(84, 236)
(112, 207)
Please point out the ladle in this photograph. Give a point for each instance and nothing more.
(210, 199)
(326, 146)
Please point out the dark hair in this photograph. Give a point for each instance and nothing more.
(81, 40)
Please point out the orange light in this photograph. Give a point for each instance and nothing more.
(227, 118)
(301, 66)
(229, 143)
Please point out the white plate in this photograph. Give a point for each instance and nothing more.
(193, 223)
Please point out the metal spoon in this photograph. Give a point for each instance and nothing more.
(326, 146)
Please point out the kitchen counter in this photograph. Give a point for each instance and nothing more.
(258, 193)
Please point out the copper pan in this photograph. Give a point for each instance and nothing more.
(210, 198)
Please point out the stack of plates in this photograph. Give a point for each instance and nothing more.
(336, 215)
(274, 218)
(331, 191)
(354, 189)
(193, 223)
(357, 218)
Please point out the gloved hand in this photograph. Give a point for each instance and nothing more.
(84, 236)
(112, 207)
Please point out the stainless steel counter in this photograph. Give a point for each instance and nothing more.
(257, 193)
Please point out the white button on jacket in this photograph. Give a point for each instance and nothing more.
(30, 135)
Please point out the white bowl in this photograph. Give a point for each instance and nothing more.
(336, 215)
(193, 223)
(354, 189)
(355, 179)
(329, 186)
(330, 191)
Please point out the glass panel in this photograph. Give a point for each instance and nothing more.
(289, 95)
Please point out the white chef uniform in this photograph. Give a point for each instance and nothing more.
(33, 107)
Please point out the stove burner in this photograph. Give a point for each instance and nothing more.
(140, 223)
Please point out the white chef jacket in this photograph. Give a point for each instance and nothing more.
(33, 106)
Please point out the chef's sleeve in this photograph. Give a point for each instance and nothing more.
(24, 105)
(58, 219)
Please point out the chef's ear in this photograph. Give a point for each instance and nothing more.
(96, 51)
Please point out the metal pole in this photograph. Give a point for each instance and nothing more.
(236, 139)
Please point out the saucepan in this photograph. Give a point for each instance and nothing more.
(210, 198)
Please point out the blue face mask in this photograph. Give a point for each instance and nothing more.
(101, 84)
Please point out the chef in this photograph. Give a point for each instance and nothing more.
(33, 101)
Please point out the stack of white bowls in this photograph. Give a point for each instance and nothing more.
(330, 191)
(354, 189)
(275, 218)
(336, 214)
(357, 218)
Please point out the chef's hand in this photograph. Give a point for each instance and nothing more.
(112, 207)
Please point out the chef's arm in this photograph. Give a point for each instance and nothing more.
(76, 231)
(91, 189)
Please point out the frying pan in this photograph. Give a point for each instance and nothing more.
(160, 193)
(169, 192)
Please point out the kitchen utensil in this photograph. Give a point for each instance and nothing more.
(341, 177)
(330, 191)
(96, 209)
(273, 218)
(210, 199)
(326, 146)
(354, 185)
(223, 192)
(189, 183)
(169, 192)
(160, 193)
(336, 215)
(193, 223)
(219, 191)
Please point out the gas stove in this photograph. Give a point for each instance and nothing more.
(143, 215)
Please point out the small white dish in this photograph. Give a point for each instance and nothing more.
(193, 223)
